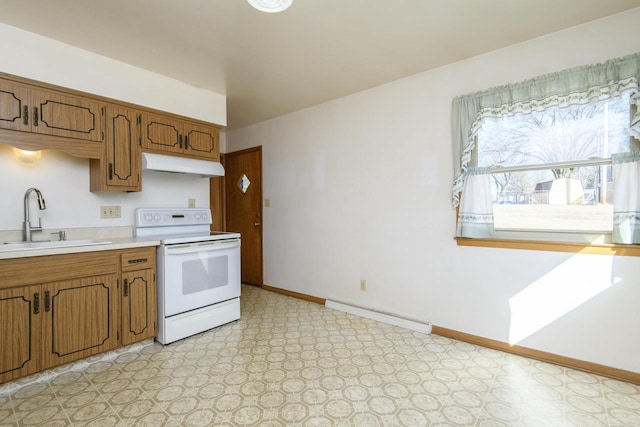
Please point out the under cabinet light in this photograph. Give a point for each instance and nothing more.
(26, 157)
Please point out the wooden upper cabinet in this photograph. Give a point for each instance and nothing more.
(120, 167)
(48, 112)
(64, 115)
(171, 135)
(161, 133)
(202, 141)
(14, 106)
(40, 116)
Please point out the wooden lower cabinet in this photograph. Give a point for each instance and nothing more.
(138, 306)
(79, 318)
(43, 325)
(19, 337)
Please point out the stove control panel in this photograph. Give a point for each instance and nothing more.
(146, 217)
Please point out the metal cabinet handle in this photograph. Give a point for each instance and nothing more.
(137, 260)
(35, 116)
(186, 141)
(126, 287)
(25, 115)
(110, 171)
(47, 301)
(36, 303)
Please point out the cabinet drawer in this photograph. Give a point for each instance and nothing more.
(136, 259)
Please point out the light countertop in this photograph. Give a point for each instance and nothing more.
(115, 243)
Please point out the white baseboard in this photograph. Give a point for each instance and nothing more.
(391, 319)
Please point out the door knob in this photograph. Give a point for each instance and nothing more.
(255, 224)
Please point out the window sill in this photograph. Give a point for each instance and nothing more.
(583, 248)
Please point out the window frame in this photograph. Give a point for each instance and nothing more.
(588, 247)
(572, 247)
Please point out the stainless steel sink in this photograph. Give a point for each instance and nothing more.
(29, 246)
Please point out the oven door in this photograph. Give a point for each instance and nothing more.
(195, 275)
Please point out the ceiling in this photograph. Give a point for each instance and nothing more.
(317, 50)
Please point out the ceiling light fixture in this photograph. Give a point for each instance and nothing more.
(270, 6)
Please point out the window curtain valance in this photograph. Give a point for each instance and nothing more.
(575, 86)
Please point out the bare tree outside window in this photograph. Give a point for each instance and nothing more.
(573, 198)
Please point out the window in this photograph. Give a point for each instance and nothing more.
(553, 158)
(550, 170)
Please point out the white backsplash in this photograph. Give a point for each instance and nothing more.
(70, 233)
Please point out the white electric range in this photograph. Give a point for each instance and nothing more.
(198, 271)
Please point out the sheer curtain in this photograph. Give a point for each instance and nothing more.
(475, 215)
(575, 86)
(626, 198)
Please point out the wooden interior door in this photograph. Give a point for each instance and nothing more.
(243, 198)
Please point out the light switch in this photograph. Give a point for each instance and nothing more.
(267, 203)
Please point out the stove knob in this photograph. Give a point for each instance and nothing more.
(196, 216)
(156, 217)
(148, 217)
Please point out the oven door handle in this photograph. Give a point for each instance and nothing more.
(189, 248)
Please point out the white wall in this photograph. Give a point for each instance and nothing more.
(360, 189)
(64, 180)
(40, 58)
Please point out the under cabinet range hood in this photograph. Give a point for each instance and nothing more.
(182, 165)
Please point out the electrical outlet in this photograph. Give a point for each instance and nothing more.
(192, 203)
(363, 285)
(110, 212)
(267, 203)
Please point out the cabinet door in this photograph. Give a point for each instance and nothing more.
(14, 106)
(122, 151)
(64, 115)
(80, 318)
(161, 134)
(202, 141)
(138, 306)
(19, 332)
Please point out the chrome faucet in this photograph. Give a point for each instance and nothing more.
(26, 225)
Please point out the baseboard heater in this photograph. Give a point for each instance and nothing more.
(391, 319)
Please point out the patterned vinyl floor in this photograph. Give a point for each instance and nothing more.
(289, 362)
